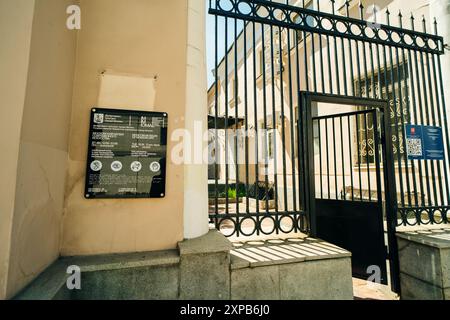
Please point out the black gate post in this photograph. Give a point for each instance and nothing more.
(308, 156)
(391, 200)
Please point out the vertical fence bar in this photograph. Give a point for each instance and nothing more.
(313, 56)
(343, 158)
(350, 156)
(359, 157)
(274, 124)
(344, 67)
(322, 72)
(380, 85)
(358, 66)
(266, 176)
(335, 159)
(305, 53)
(247, 159)
(377, 154)
(372, 65)
(328, 159)
(347, 5)
(296, 133)
(291, 121)
(227, 172)
(301, 169)
(320, 159)
(236, 130)
(255, 116)
(366, 77)
(216, 98)
(283, 122)
(330, 71)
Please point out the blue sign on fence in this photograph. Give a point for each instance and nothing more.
(424, 143)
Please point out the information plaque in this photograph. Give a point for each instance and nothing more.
(424, 142)
(126, 154)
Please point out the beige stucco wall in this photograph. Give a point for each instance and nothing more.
(41, 172)
(139, 38)
(15, 31)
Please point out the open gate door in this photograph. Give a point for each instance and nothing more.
(349, 178)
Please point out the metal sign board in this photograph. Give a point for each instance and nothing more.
(126, 154)
(424, 142)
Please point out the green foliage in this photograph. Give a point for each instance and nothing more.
(232, 194)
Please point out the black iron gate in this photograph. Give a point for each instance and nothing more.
(266, 53)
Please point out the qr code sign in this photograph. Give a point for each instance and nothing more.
(414, 147)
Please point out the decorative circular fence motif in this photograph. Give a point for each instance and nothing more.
(293, 17)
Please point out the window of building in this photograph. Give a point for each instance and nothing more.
(398, 111)
(233, 95)
(260, 65)
(270, 143)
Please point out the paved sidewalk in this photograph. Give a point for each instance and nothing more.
(362, 290)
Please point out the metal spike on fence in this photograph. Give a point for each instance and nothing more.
(318, 5)
(361, 10)
(400, 18)
(332, 5)
(424, 24)
(347, 9)
(412, 21)
(435, 26)
(388, 17)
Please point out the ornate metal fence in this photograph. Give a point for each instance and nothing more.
(266, 53)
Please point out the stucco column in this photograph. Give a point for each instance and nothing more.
(196, 170)
(440, 9)
(16, 20)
